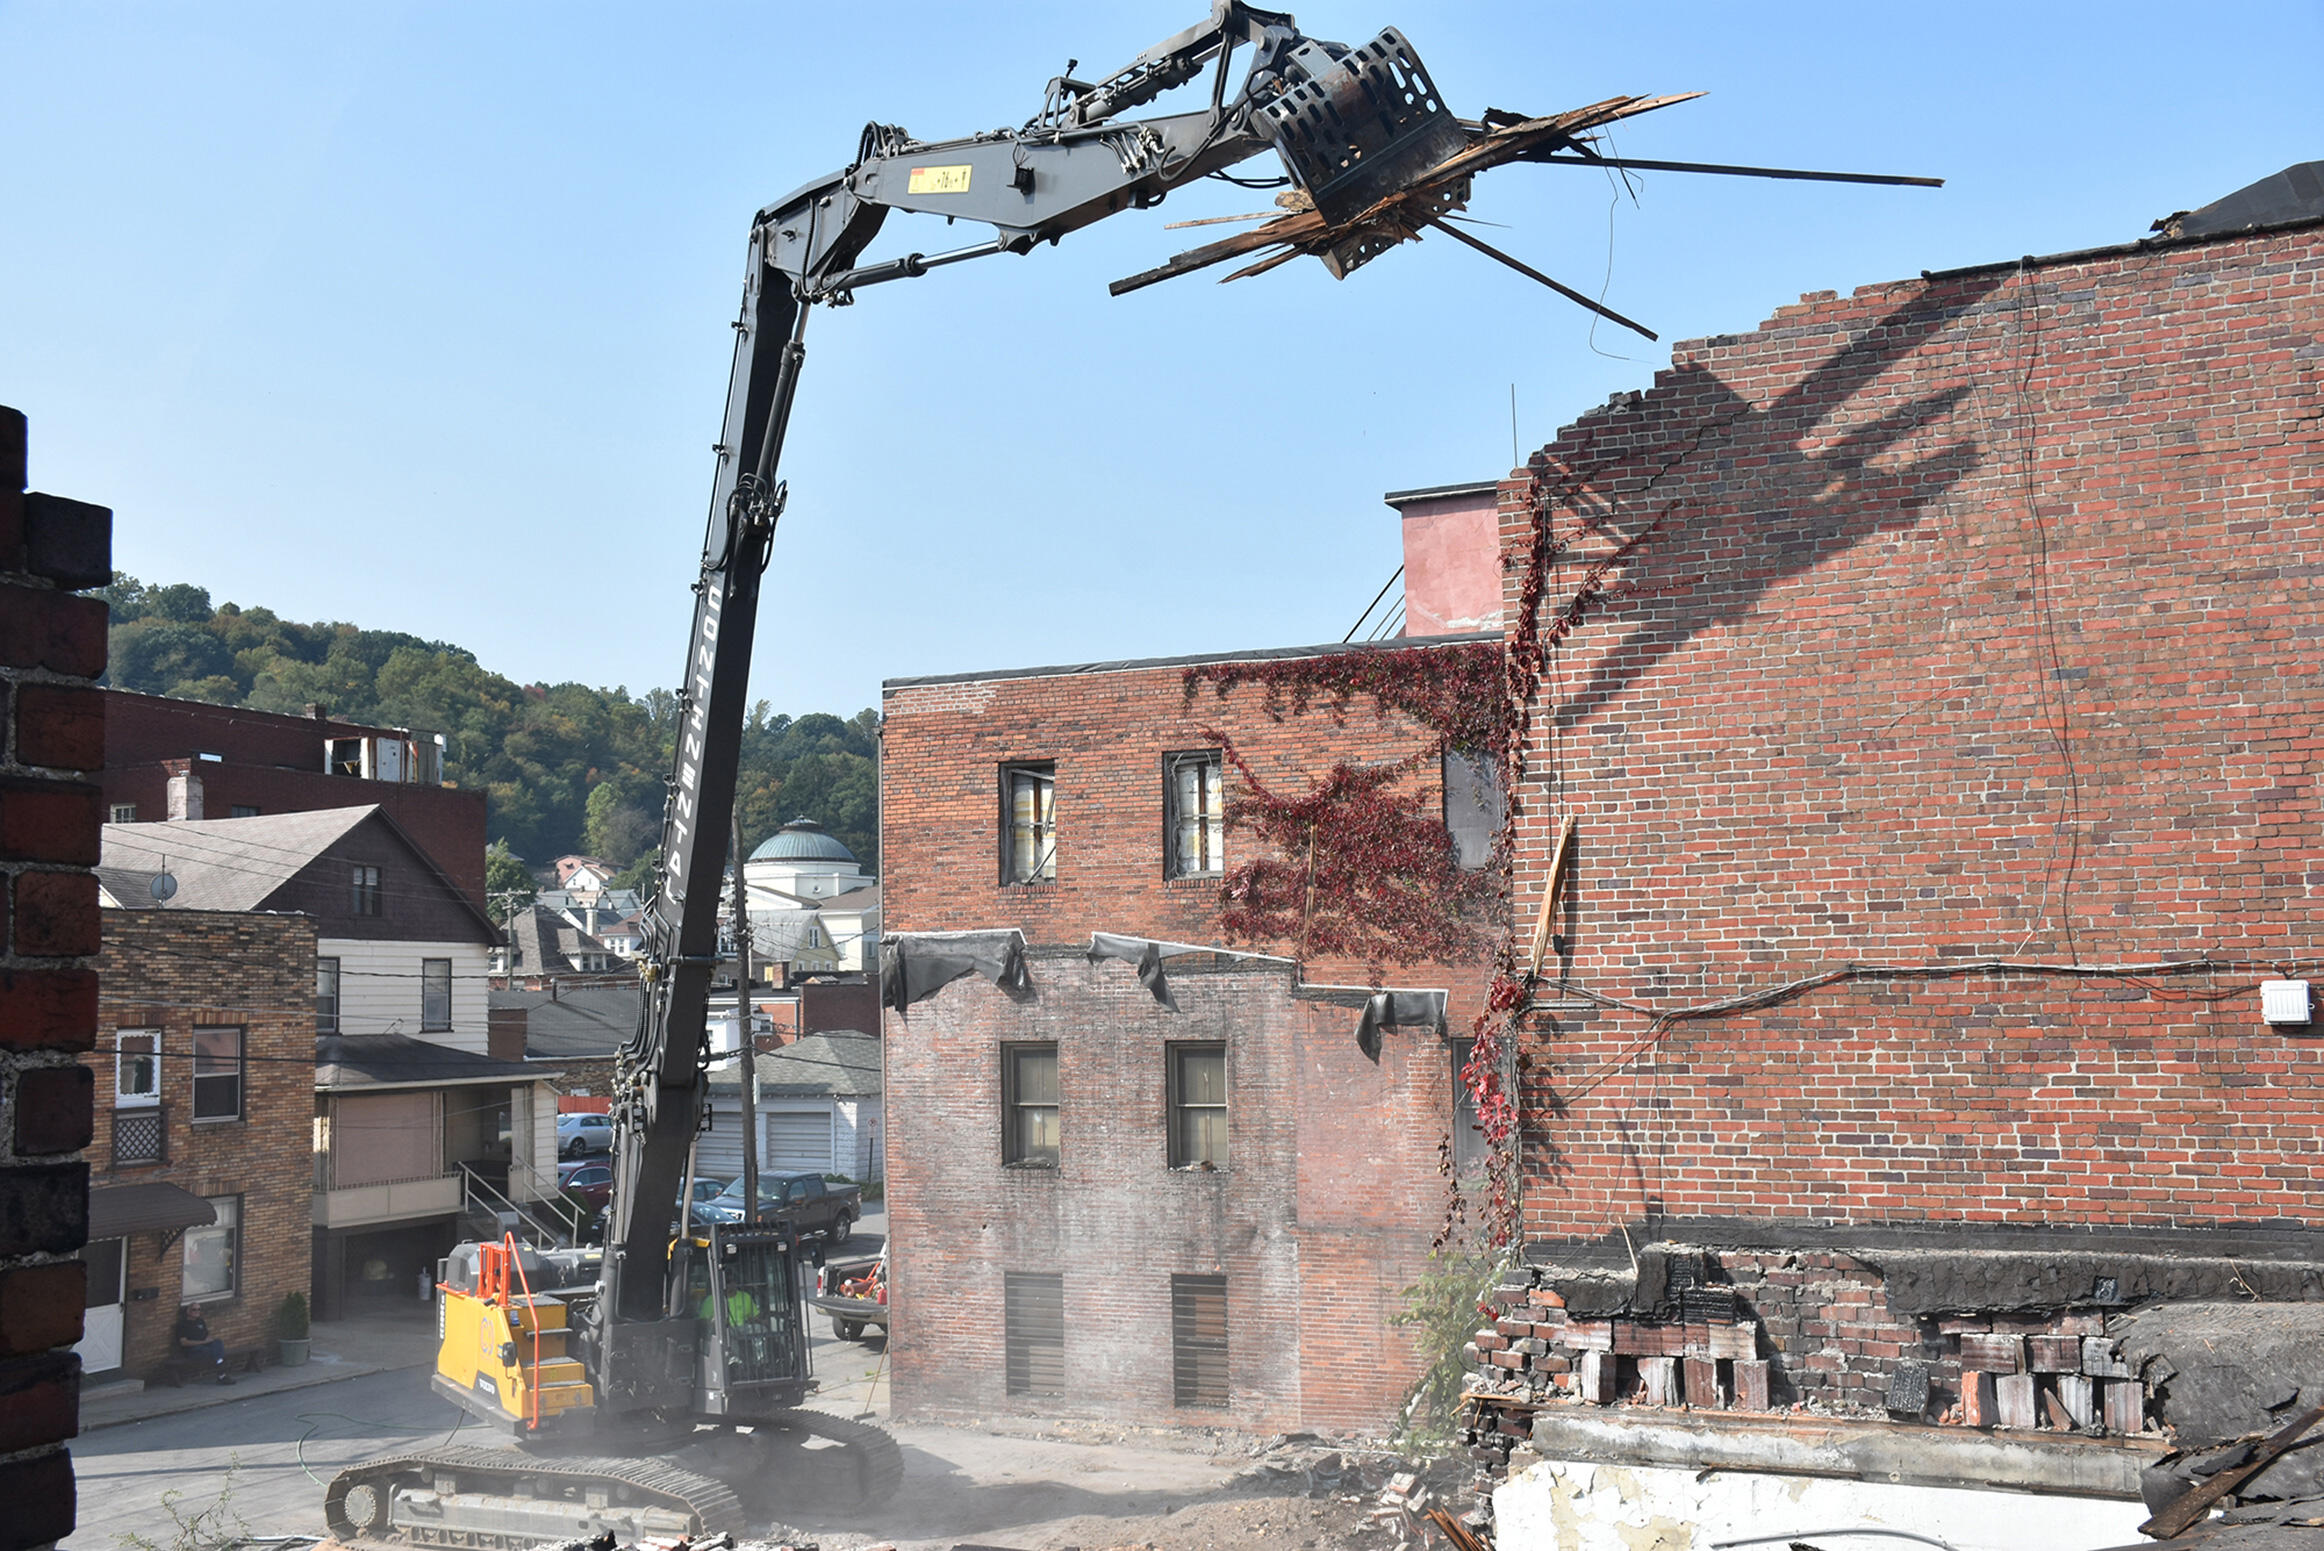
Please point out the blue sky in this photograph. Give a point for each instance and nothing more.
(415, 315)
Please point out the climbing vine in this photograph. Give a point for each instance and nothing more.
(1354, 869)
(1454, 691)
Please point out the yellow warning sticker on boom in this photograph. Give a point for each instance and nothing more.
(938, 180)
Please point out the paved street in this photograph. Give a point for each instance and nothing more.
(278, 1449)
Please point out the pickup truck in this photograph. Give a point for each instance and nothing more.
(803, 1200)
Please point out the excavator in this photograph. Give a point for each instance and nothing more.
(653, 1390)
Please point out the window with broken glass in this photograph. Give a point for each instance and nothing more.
(1193, 803)
(1029, 1106)
(1028, 823)
(1198, 1106)
(1473, 809)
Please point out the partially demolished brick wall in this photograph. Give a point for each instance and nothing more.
(1946, 757)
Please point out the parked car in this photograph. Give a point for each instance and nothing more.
(803, 1200)
(589, 1181)
(705, 1192)
(580, 1135)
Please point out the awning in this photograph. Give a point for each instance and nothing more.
(117, 1211)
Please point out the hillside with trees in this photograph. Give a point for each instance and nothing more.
(564, 767)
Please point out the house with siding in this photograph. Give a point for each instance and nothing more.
(818, 1109)
(415, 1121)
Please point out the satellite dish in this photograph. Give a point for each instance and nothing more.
(163, 886)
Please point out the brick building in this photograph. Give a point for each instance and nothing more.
(1941, 736)
(52, 730)
(203, 1153)
(171, 759)
(1118, 1165)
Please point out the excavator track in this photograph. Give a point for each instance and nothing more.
(504, 1499)
(877, 1463)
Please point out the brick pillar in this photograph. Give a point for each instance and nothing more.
(52, 734)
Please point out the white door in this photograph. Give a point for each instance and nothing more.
(100, 1347)
(798, 1142)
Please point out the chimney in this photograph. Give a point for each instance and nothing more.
(185, 789)
(504, 1033)
(1452, 557)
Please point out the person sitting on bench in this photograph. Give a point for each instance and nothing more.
(196, 1344)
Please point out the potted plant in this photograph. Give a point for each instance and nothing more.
(290, 1329)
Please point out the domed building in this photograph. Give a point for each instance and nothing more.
(811, 903)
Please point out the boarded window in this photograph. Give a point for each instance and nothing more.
(1198, 1341)
(1194, 802)
(217, 1074)
(1471, 1156)
(1473, 809)
(1029, 1106)
(1034, 1330)
(1028, 823)
(384, 1138)
(1198, 1106)
(435, 995)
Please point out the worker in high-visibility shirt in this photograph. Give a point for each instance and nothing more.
(742, 1306)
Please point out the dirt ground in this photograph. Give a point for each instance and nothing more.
(1091, 1487)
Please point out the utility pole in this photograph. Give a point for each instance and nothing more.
(746, 1022)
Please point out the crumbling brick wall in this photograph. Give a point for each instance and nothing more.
(1966, 620)
(172, 971)
(52, 734)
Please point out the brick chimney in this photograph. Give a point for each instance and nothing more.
(504, 1033)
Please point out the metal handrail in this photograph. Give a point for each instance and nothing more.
(475, 1189)
(548, 1193)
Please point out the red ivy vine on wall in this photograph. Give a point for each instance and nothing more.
(1454, 691)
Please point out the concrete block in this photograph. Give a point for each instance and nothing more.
(1750, 1384)
(1658, 1380)
(1992, 1353)
(2054, 1354)
(2077, 1398)
(2101, 1359)
(2124, 1405)
(2013, 1399)
(1594, 1378)
(1977, 1409)
(1703, 1389)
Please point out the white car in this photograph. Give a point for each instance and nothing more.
(579, 1135)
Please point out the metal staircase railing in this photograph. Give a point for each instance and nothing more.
(554, 1222)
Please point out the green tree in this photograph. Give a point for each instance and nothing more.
(507, 882)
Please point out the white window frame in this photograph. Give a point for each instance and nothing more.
(1183, 1153)
(433, 970)
(1206, 827)
(227, 1228)
(123, 1096)
(217, 1074)
(123, 813)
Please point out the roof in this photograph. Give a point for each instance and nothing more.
(1134, 664)
(2294, 194)
(219, 864)
(574, 1023)
(116, 1211)
(836, 1064)
(1400, 498)
(345, 1061)
(802, 840)
(865, 898)
(239, 864)
(541, 942)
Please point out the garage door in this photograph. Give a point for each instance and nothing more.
(799, 1143)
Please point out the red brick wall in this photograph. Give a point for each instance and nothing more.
(1977, 626)
(177, 970)
(274, 763)
(52, 648)
(1334, 1193)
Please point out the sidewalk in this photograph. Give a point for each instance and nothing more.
(342, 1349)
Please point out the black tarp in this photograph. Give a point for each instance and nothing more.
(1398, 1010)
(1148, 955)
(916, 965)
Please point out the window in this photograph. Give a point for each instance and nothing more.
(242, 810)
(1198, 1341)
(366, 890)
(1192, 801)
(1028, 823)
(1198, 1106)
(326, 996)
(1029, 1106)
(124, 813)
(1473, 809)
(217, 1074)
(435, 995)
(1033, 1332)
(1470, 1155)
(343, 756)
(136, 1068)
(214, 1252)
